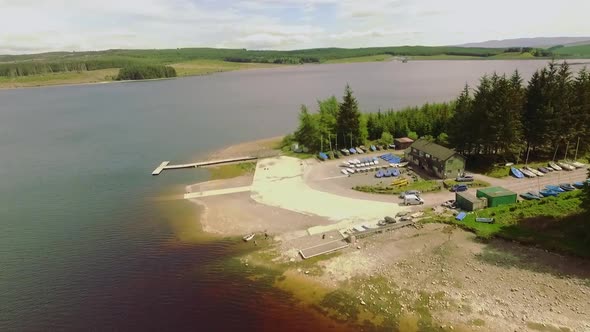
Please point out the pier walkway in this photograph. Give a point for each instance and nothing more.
(166, 164)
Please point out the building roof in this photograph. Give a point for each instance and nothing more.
(468, 196)
(433, 149)
(496, 191)
(404, 140)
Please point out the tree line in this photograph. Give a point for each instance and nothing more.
(35, 64)
(500, 119)
(30, 68)
(504, 118)
(145, 72)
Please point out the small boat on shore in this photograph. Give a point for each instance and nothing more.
(557, 189)
(528, 173)
(554, 166)
(548, 192)
(486, 220)
(567, 186)
(566, 166)
(545, 170)
(530, 196)
(578, 185)
(534, 171)
(516, 172)
(576, 164)
(248, 237)
(343, 171)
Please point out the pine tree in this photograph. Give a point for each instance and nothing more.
(308, 134)
(581, 109)
(328, 111)
(460, 130)
(348, 120)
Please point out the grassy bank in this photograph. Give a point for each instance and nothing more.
(473, 184)
(205, 67)
(554, 223)
(369, 58)
(82, 77)
(421, 185)
(232, 170)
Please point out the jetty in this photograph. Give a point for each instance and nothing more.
(166, 164)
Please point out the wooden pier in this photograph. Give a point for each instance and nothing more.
(160, 168)
(165, 165)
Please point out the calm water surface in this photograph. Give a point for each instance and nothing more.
(83, 241)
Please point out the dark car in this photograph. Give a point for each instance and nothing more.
(459, 187)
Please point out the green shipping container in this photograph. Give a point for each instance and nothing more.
(468, 202)
(497, 196)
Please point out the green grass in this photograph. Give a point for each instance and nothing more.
(546, 327)
(421, 185)
(513, 56)
(500, 56)
(73, 77)
(368, 58)
(232, 170)
(576, 50)
(206, 66)
(445, 57)
(554, 223)
(473, 184)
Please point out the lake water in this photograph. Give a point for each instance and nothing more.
(83, 241)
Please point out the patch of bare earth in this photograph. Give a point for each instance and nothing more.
(496, 286)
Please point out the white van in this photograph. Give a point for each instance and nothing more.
(413, 200)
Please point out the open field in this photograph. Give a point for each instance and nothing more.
(63, 78)
(576, 50)
(368, 58)
(204, 67)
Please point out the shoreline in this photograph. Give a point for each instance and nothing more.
(434, 275)
(58, 85)
(432, 58)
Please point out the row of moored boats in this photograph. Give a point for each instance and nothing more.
(362, 149)
(531, 172)
(553, 190)
(387, 169)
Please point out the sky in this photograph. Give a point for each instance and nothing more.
(31, 26)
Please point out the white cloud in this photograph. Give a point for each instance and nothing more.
(46, 25)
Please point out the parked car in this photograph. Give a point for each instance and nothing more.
(409, 192)
(389, 220)
(450, 204)
(464, 178)
(413, 200)
(459, 187)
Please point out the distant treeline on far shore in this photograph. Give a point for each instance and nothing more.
(145, 72)
(500, 119)
(55, 62)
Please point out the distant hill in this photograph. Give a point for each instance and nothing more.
(530, 42)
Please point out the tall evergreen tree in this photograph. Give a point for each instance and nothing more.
(328, 111)
(308, 134)
(460, 131)
(349, 118)
(581, 109)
